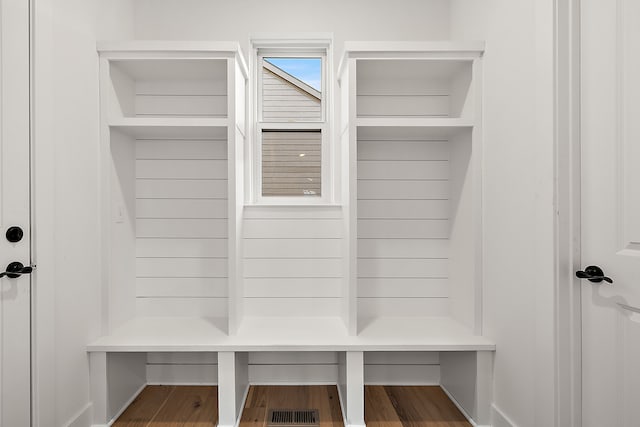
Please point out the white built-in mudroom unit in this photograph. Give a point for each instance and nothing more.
(436, 213)
(201, 287)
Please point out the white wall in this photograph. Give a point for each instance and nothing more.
(236, 20)
(518, 153)
(67, 246)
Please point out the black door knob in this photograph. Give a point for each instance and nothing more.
(14, 234)
(16, 269)
(594, 274)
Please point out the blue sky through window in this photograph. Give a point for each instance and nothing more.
(306, 69)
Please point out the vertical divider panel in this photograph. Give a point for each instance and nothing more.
(232, 175)
(237, 81)
(351, 387)
(105, 198)
(477, 154)
(349, 144)
(233, 384)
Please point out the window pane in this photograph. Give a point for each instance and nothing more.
(291, 89)
(291, 163)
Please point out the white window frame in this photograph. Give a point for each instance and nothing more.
(288, 47)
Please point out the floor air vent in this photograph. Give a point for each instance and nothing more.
(293, 417)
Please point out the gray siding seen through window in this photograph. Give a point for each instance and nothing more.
(291, 163)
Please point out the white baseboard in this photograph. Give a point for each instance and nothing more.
(460, 408)
(83, 418)
(499, 419)
(126, 404)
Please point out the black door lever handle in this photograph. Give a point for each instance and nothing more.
(17, 269)
(594, 274)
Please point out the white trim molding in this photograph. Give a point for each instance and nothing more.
(568, 346)
(500, 419)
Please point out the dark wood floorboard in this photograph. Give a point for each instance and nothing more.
(261, 399)
(410, 406)
(172, 406)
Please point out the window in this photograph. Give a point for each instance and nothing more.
(290, 150)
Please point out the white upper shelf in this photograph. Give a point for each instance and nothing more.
(411, 50)
(148, 49)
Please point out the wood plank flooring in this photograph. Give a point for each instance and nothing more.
(172, 406)
(261, 399)
(410, 406)
(385, 406)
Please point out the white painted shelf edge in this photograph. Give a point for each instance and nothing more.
(139, 49)
(408, 49)
(190, 334)
(170, 126)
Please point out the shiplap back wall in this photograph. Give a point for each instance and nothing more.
(181, 227)
(149, 88)
(386, 368)
(403, 227)
(292, 261)
(181, 189)
(403, 191)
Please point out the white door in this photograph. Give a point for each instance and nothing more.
(15, 293)
(611, 211)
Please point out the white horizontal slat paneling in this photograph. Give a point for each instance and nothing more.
(402, 190)
(170, 374)
(293, 374)
(181, 248)
(402, 287)
(181, 267)
(293, 358)
(292, 228)
(293, 212)
(293, 307)
(192, 86)
(403, 229)
(181, 169)
(403, 209)
(403, 169)
(172, 149)
(292, 261)
(403, 105)
(402, 307)
(182, 228)
(181, 105)
(181, 208)
(401, 358)
(181, 225)
(181, 287)
(403, 248)
(287, 287)
(182, 358)
(293, 267)
(402, 374)
(403, 221)
(398, 267)
(182, 307)
(190, 97)
(181, 189)
(403, 150)
(293, 248)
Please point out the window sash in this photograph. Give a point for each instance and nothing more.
(301, 49)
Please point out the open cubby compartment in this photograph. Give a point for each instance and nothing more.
(168, 223)
(414, 88)
(168, 87)
(417, 213)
